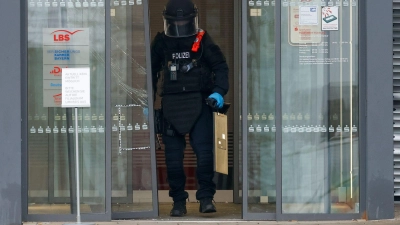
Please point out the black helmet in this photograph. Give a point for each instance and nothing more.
(180, 18)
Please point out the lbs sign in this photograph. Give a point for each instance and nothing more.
(57, 36)
(62, 48)
(63, 35)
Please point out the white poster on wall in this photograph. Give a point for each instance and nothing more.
(75, 87)
(304, 25)
(308, 15)
(330, 18)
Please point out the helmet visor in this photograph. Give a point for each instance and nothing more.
(180, 28)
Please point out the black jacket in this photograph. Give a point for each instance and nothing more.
(211, 55)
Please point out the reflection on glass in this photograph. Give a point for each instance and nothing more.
(261, 109)
(320, 171)
(61, 36)
(131, 166)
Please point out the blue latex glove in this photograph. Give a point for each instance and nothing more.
(218, 98)
(146, 112)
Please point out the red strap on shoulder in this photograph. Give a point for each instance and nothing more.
(197, 41)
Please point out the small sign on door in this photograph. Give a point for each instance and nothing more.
(75, 87)
(330, 18)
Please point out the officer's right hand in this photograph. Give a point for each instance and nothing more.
(218, 98)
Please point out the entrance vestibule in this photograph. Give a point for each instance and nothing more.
(293, 125)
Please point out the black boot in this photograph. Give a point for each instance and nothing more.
(206, 206)
(178, 209)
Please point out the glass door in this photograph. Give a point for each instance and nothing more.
(259, 111)
(61, 35)
(320, 113)
(116, 138)
(134, 186)
(301, 109)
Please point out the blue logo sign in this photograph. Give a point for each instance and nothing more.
(63, 54)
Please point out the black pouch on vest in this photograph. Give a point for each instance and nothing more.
(158, 121)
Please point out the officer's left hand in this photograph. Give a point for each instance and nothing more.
(146, 112)
(218, 98)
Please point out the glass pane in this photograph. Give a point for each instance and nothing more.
(261, 109)
(62, 35)
(320, 169)
(131, 165)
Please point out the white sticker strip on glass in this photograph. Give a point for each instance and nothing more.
(77, 3)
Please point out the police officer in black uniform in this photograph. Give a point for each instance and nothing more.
(191, 68)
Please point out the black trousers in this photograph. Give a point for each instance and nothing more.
(201, 140)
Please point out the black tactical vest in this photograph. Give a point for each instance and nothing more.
(192, 74)
(182, 92)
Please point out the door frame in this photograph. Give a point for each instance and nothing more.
(375, 61)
